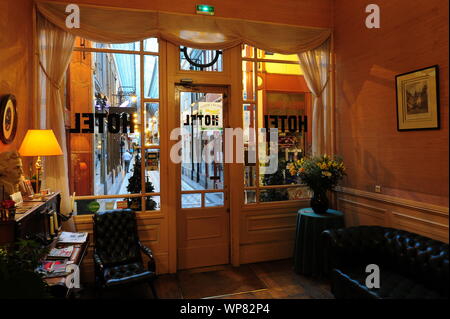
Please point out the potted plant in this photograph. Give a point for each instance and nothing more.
(320, 174)
(134, 187)
(18, 278)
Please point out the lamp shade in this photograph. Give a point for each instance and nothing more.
(40, 143)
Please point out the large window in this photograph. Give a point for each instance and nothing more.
(274, 95)
(113, 113)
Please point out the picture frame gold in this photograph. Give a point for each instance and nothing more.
(8, 118)
(417, 94)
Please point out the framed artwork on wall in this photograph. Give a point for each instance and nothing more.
(8, 119)
(418, 99)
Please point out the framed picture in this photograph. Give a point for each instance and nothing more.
(418, 99)
(8, 119)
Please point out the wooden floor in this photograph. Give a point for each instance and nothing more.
(267, 280)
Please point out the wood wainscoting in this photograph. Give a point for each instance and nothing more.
(366, 208)
(267, 231)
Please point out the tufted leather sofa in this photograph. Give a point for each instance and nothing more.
(117, 253)
(411, 266)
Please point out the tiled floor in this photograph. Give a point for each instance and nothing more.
(275, 279)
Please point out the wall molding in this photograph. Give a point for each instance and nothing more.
(429, 208)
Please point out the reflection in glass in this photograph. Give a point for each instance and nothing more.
(202, 148)
(249, 196)
(151, 45)
(133, 46)
(191, 200)
(151, 78)
(214, 199)
(200, 60)
(151, 124)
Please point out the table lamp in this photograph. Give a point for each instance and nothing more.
(39, 143)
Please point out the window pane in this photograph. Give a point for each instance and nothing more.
(249, 196)
(249, 113)
(279, 108)
(248, 81)
(152, 169)
(151, 77)
(201, 137)
(191, 200)
(283, 194)
(273, 195)
(83, 43)
(200, 60)
(276, 56)
(104, 95)
(280, 100)
(151, 124)
(151, 45)
(214, 199)
(247, 51)
(134, 46)
(90, 206)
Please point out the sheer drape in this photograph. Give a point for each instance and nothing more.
(316, 68)
(114, 25)
(55, 50)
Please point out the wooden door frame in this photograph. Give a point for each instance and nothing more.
(232, 77)
(202, 88)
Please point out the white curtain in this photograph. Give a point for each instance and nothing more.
(55, 50)
(316, 68)
(121, 25)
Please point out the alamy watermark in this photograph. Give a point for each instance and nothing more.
(373, 279)
(73, 19)
(373, 19)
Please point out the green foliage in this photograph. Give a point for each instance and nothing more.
(18, 278)
(134, 187)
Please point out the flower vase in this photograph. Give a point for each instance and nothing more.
(319, 202)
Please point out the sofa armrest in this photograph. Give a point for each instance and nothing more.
(147, 251)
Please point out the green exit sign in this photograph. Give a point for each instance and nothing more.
(204, 9)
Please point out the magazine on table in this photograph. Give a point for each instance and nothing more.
(72, 238)
(64, 252)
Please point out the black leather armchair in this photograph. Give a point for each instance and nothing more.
(117, 253)
(411, 266)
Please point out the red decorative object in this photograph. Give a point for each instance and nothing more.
(7, 204)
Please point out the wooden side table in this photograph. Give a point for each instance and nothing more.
(309, 254)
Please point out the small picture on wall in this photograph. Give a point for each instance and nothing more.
(418, 99)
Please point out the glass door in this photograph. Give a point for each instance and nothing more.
(203, 216)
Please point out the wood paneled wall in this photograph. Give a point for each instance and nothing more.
(267, 232)
(414, 34)
(16, 62)
(365, 208)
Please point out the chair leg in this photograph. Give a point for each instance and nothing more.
(152, 287)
